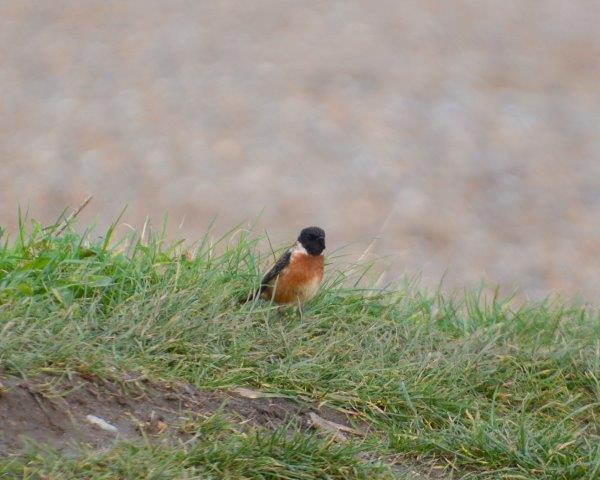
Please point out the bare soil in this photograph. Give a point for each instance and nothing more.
(50, 410)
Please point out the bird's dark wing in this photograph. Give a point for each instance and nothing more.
(276, 269)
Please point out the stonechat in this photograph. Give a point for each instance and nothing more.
(298, 273)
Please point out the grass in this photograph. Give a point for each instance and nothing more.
(221, 452)
(471, 385)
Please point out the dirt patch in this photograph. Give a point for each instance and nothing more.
(94, 411)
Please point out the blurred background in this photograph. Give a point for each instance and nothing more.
(465, 135)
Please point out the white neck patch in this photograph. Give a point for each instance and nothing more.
(299, 248)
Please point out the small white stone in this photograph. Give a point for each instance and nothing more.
(103, 424)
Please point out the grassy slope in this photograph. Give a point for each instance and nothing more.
(475, 387)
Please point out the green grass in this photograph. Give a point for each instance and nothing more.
(220, 452)
(473, 385)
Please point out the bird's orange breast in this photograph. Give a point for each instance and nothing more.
(299, 281)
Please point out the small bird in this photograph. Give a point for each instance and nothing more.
(297, 275)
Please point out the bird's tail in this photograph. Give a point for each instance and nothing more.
(250, 297)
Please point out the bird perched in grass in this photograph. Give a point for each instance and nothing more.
(296, 276)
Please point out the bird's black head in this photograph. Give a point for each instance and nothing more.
(313, 240)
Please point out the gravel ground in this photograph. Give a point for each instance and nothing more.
(465, 134)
